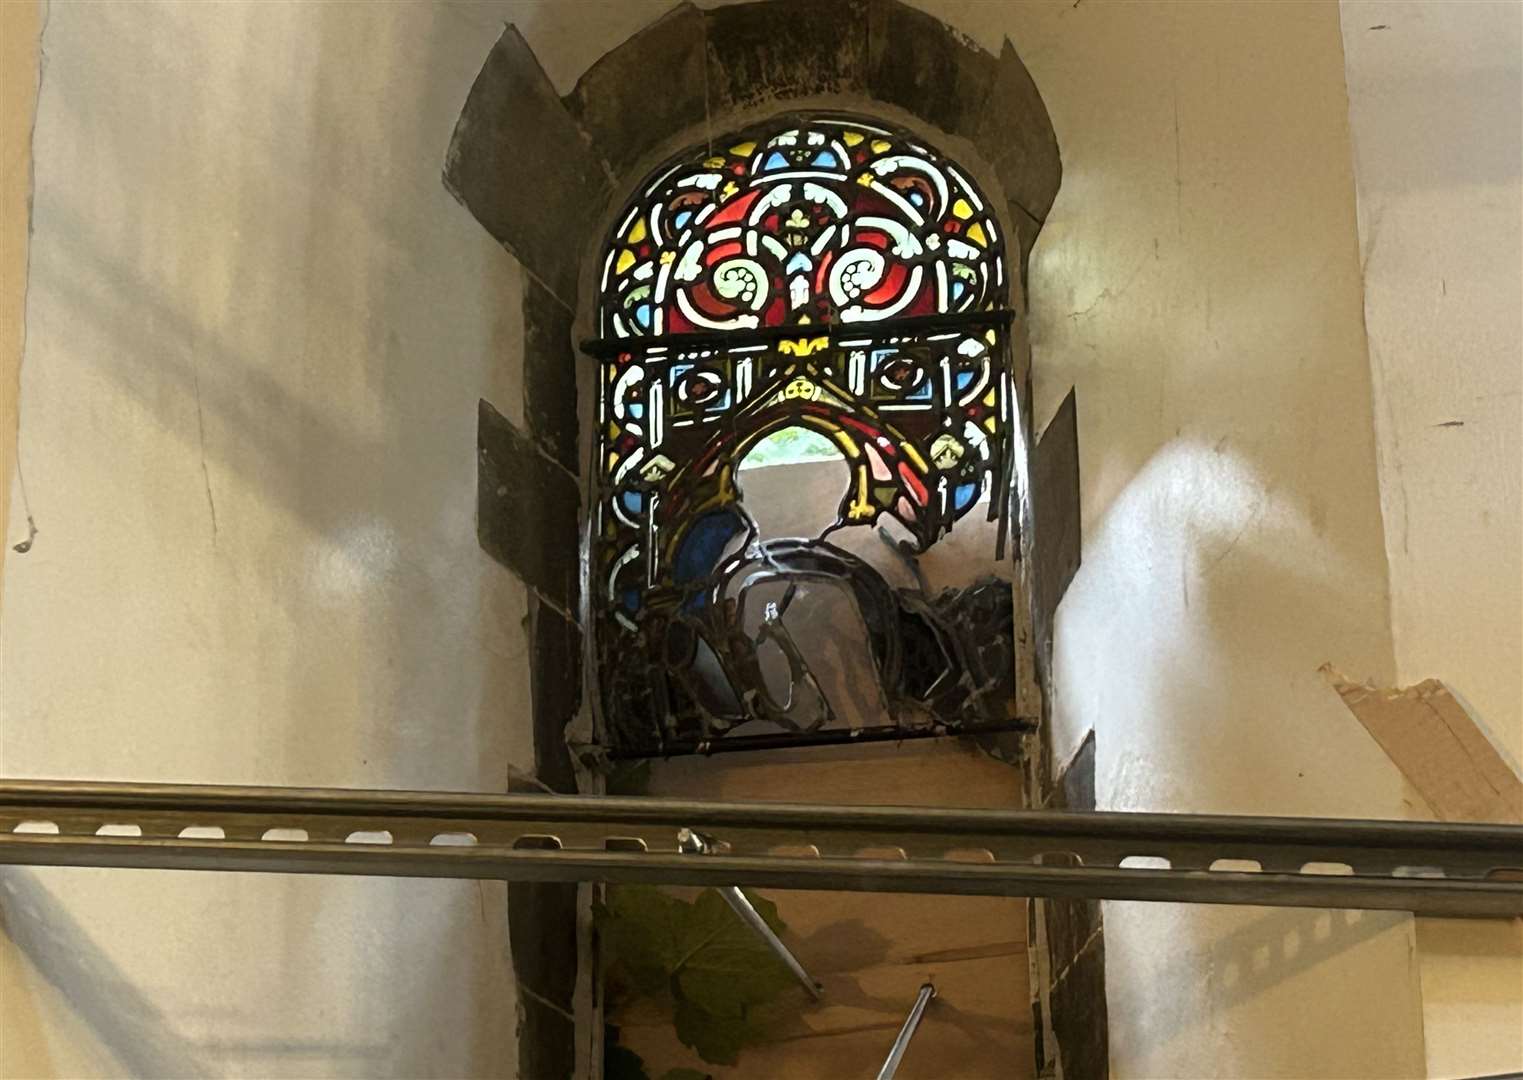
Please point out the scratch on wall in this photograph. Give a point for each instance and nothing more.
(206, 476)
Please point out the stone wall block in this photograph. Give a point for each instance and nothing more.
(527, 509)
(1055, 506)
(915, 62)
(1015, 135)
(557, 693)
(650, 86)
(522, 166)
(784, 49)
(550, 374)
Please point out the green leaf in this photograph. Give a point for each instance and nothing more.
(641, 930)
(720, 974)
(724, 966)
(716, 1039)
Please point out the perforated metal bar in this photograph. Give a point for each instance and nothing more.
(1428, 868)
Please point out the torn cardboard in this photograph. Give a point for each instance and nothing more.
(1438, 747)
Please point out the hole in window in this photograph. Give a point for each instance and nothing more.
(791, 446)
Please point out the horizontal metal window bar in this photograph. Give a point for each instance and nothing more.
(912, 324)
(1430, 868)
(791, 740)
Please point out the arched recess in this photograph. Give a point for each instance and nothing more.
(542, 173)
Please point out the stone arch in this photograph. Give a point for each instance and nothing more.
(531, 166)
(541, 172)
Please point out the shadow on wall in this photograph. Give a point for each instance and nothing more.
(310, 384)
(1278, 945)
(258, 331)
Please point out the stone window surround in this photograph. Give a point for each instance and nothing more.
(545, 175)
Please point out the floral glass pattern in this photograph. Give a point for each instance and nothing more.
(824, 275)
(829, 221)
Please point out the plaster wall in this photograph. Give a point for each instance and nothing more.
(257, 329)
(1198, 280)
(1436, 109)
(250, 293)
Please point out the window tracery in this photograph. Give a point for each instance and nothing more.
(820, 274)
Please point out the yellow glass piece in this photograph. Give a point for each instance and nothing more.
(860, 508)
(880, 145)
(613, 459)
(636, 232)
(713, 163)
(851, 138)
(668, 256)
(962, 209)
(803, 346)
(976, 234)
(745, 149)
(989, 336)
(914, 456)
(801, 387)
(729, 189)
(626, 260)
(989, 398)
(989, 425)
(866, 179)
(846, 444)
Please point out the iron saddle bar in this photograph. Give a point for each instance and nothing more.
(1427, 868)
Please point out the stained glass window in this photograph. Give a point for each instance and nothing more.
(820, 287)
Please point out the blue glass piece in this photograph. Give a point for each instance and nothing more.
(704, 545)
(681, 218)
(631, 600)
(634, 501)
(635, 409)
(800, 261)
(963, 379)
(963, 495)
(642, 315)
(920, 393)
(774, 162)
(826, 159)
(958, 288)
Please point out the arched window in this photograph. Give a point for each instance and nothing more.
(835, 281)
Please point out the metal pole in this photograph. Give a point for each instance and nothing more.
(1445, 868)
(906, 1033)
(690, 842)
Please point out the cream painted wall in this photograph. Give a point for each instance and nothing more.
(1199, 282)
(257, 329)
(1436, 108)
(20, 27)
(250, 292)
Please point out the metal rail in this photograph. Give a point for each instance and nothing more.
(1426, 868)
